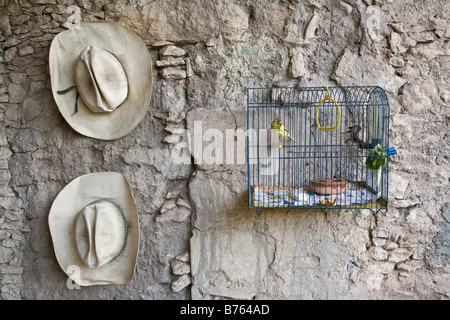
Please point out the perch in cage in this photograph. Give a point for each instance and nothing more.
(316, 147)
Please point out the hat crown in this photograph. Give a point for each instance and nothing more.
(75, 89)
(100, 231)
(101, 80)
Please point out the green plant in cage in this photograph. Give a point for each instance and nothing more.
(376, 160)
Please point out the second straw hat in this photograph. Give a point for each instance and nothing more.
(101, 78)
(95, 229)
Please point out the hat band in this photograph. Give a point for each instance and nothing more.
(76, 97)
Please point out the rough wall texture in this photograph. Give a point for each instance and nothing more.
(198, 239)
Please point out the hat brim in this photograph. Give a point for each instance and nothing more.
(69, 202)
(136, 60)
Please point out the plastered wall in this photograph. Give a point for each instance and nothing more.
(198, 239)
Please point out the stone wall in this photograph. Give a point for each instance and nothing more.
(198, 239)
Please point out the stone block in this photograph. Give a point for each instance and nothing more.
(171, 62)
(5, 269)
(5, 176)
(378, 253)
(297, 65)
(10, 54)
(5, 254)
(172, 51)
(5, 26)
(312, 26)
(181, 283)
(180, 267)
(11, 279)
(399, 255)
(16, 93)
(25, 51)
(5, 153)
(173, 73)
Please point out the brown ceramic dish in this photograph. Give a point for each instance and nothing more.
(328, 186)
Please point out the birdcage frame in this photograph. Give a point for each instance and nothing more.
(334, 130)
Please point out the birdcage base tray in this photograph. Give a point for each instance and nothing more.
(354, 196)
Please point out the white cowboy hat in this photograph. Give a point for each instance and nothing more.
(95, 229)
(101, 78)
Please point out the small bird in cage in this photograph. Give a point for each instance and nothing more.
(279, 129)
(353, 131)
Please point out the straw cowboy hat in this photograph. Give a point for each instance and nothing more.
(95, 229)
(101, 78)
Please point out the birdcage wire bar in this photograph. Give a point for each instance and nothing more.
(285, 173)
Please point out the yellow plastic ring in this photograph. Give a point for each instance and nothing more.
(317, 114)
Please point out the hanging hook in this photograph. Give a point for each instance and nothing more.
(327, 98)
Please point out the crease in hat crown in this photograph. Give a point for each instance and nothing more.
(101, 79)
(100, 231)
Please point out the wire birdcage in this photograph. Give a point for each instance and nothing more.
(318, 147)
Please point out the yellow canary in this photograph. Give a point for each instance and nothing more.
(327, 202)
(280, 130)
